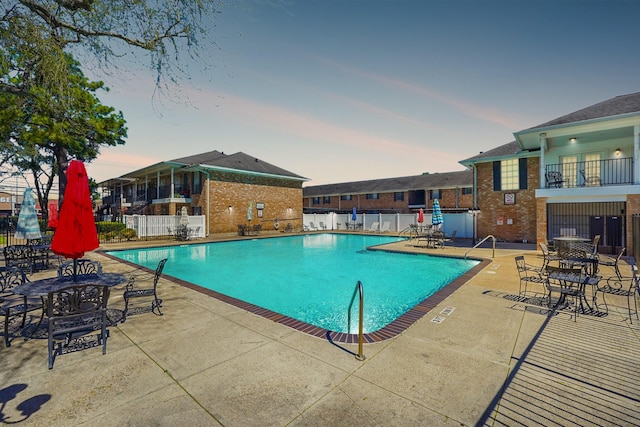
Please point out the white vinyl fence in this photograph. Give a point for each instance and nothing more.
(164, 225)
(462, 223)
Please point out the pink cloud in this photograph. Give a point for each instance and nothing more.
(481, 112)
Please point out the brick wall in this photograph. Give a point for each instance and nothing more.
(281, 202)
(511, 223)
(633, 208)
(386, 201)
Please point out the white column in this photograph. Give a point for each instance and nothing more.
(636, 154)
(173, 190)
(543, 149)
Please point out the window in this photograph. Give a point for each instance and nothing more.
(467, 190)
(345, 197)
(316, 200)
(569, 170)
(592, 169)
(372, 196)
(326, 200)
(398, 196)
(435, 194)
(510, 174)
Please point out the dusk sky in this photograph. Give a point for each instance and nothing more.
(349, 90)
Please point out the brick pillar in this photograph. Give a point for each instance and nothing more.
(633, 208)
(541, 220)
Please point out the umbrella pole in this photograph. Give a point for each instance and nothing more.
(75, 270)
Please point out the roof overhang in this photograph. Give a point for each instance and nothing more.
(601, 129)
(207, 168)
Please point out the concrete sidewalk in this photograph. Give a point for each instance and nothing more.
(493, 360)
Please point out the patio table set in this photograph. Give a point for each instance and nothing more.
(569, 273)
(74, 301)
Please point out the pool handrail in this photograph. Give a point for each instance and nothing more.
(490, 236)
(358, 290)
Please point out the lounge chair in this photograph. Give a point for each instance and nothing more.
(312, 226)
(322, 226)
(375, 226)
(385, 227)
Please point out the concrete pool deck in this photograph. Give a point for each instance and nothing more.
(492, 360)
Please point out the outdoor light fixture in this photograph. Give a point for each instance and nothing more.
(572, 140)
(229, 208)
(617, 151)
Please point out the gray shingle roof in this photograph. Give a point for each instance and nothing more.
(509, 149)
(238, 161)
(387, 185)
(619, 105)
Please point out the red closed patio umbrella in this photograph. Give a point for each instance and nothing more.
(76, 233)
(52, 222)
(421, 216)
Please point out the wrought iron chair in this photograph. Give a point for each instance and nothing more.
(554, 179)
(12, 305)
(612, 262)
(82, 266)
(20, 256)
(74, 313)
(548, 255)
(567, 283)
(624, 287)
(130, 293)
(528, 274)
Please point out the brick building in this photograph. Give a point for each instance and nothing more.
(578, 174)
(219, 186)
(393, 195)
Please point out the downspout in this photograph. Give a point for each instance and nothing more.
(475, 187)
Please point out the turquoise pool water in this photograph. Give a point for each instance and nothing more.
(310, 278)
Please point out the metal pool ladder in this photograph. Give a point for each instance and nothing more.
(481, 242)
(358, 290)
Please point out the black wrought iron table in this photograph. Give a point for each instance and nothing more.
(40, 288)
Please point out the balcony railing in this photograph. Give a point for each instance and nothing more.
(597, 173)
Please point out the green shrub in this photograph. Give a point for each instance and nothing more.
(109, 226)
(128, 233)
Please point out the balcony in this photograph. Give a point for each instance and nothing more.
(600, 173)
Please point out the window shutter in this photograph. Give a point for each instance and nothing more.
(497, 184)
(522, 171)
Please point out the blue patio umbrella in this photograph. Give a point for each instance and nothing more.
(354, 214)
(436, 216)
(28, 227)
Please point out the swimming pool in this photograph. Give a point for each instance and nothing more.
(310, 278)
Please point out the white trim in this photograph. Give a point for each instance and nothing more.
(270, 175)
